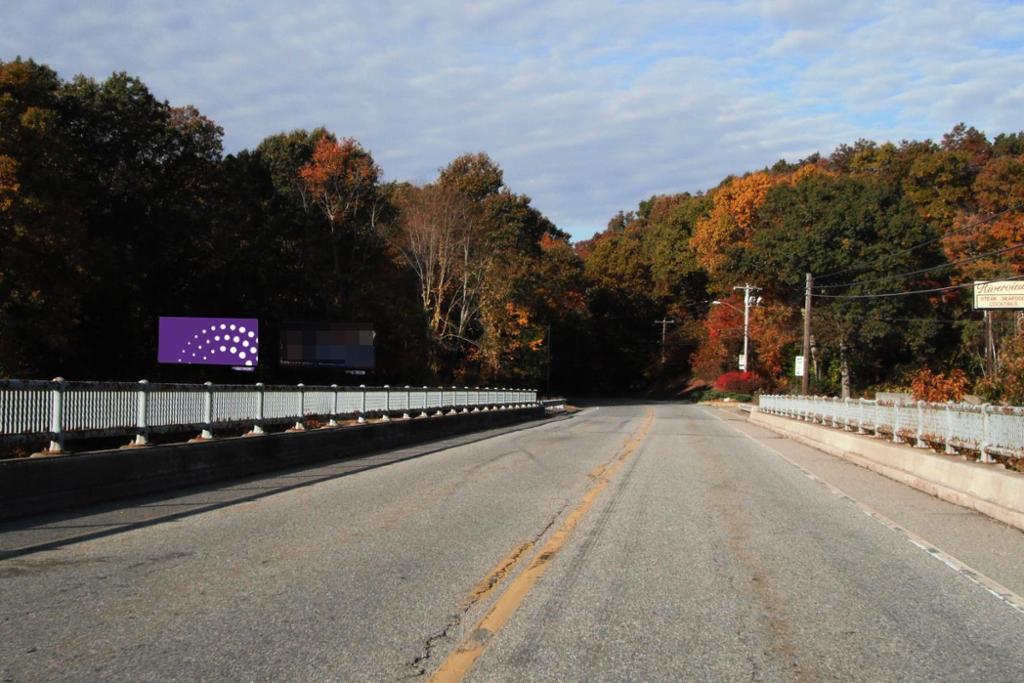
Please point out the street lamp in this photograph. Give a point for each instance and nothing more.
(726, 303)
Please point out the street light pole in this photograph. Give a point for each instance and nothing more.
(747, 302)
(807, 334)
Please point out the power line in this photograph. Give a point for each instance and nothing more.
(864, 266)
(941, 266)
(949, 321)
(916, 291)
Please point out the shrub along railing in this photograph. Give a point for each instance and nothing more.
(985, 428)
(34, 410)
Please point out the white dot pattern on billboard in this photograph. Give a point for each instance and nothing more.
(203, 339)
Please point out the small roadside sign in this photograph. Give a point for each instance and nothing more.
(743, 362)
(798, 366)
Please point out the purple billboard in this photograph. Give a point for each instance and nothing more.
(209, 341)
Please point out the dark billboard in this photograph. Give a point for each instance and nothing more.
(319, 344)
(209, 341)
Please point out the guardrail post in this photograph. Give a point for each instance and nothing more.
(387, 403)
(846, 414)
(949, 429)
(986, 441)
(57, 416)
(142, 415)
(860, 415)
(362, 412)
(919, 437)
(425, 401)
(896, 438)
(333, 422)
(258, 427)
(300, 424)
(207, 432)
(408, 403)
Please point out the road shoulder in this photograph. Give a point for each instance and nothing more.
(988, 546)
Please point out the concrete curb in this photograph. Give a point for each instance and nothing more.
(31, 486)
(989, 490)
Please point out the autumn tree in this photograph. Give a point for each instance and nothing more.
(433, 234)
(341, 180)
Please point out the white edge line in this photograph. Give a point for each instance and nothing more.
(963, 569)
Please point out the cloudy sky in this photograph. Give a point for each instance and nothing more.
(588, 105)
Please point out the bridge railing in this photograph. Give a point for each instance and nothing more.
(33, 410)
(986, 429)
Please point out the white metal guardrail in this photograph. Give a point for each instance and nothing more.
(985, 428)
(553, 403)
(33, 410)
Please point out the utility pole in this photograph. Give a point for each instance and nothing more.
(664, 326)
(807, 334)
(747, 289)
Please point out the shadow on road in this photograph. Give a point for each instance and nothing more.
(39, 533)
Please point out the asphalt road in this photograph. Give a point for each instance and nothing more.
(628, 542)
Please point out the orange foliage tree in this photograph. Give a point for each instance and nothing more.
(723, 332)
(937, 387)
(341, 179)
(731, 219)
(997, 224)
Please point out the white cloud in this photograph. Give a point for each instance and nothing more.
(590, 106)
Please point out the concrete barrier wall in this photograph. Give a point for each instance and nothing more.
(988, 489)
(35, 485)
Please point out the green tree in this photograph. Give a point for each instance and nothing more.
(42, 274)
(855, 234)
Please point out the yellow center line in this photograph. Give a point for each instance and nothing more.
(497, 575)
(459, 662)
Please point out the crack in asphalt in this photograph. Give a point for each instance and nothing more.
(419, 663)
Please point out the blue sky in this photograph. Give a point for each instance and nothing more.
(588, 105)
